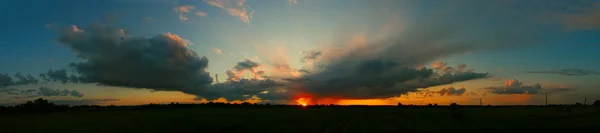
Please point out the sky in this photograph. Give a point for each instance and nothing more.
(132, 52)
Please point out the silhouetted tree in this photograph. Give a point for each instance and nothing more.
(596, 103)
(399, 104)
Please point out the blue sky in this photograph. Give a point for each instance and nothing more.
(282, 29)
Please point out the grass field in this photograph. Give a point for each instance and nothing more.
(307, 120)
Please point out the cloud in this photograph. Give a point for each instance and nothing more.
(83, 101)
(111, 57)
(201, 13)
(514, 86)
(19, 79)
(218, 51)
(567, 72)
(42, 91)
(451, 91)
(375, 79)
(5, 80)
(585, 16)
(241, 67)
(310, 55)
(292, 2)
(58, 75)
(236, 8)
(183, 10)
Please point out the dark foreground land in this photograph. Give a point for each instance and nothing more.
(297, 119)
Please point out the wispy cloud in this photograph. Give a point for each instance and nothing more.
(236, 8)
(186, 9)
(583, 17)
(218, 51)
(201, 13)
(182, 11)
(292, 2)
(567, 72)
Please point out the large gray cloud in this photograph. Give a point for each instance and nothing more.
(377, 79)
(111, 57)
(514, 86)
(567, 72)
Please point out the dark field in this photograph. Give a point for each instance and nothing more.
(309, 120)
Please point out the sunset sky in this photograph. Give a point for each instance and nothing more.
(380, 52)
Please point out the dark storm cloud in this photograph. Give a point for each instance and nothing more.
(567, 72)
(57, 76)
(377, 79)
(388, 66)
(161, 62)
(516, 87)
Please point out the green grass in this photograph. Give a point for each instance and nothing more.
(301, 120)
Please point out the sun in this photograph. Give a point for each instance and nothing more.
(302, 101)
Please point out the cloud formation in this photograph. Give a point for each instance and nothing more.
(451, 91)
(19, 79)
(218, 51)
(581, 17)
(111, 57)
(236, 8)
(184, 10)
(247, 65)
(292, 2)
(567, 72)
(42, 91)
(514, 86)
(82, 101)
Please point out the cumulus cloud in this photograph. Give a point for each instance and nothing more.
(567, 72)
(247, 65)
(111, 57)
(236, 8)
(514, 86)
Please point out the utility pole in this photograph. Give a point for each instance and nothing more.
(546, 98)
(585, 101)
